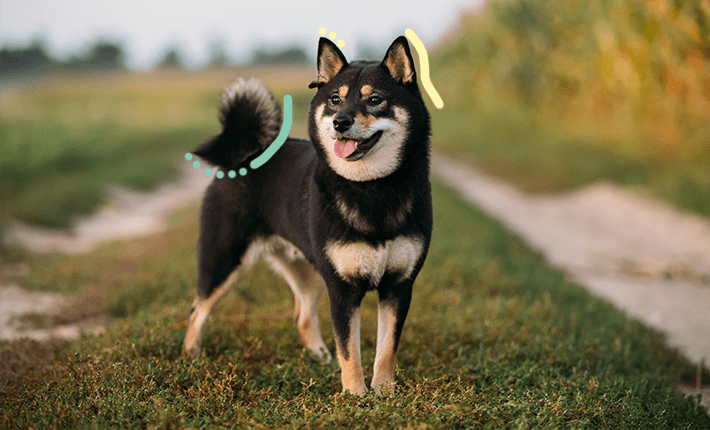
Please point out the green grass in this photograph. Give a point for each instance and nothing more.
(494, 339)
(66, 138)
(554, 95)
(49, 176)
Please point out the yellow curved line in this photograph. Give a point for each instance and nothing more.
(424, 66)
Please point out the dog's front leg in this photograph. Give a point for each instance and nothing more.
(345, 314)
(391, 313)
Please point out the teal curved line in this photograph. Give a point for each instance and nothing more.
(280, 139)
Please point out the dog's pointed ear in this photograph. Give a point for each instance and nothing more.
(399, 62)
(330, 62)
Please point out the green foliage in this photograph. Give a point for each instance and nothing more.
(65, 140)
(495, 339)
(48, 174)
(289, 55)
(556, 94)
(172, 59)
(35, 59)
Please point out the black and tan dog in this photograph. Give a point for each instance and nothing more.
(350, 211)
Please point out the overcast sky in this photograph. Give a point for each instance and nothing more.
(147, 28)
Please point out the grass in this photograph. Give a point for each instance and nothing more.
(554, 96)
(65, 138)
(495, 339)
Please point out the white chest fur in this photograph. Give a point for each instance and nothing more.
(362, 260)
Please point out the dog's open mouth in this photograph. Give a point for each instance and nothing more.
(353, 150)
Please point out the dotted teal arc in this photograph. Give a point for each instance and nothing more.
(280, 139)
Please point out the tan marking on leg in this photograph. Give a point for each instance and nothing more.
(307, 286)
(383, 377)
(365, 90)
(308, 326)
(351, 369)
(201, 308)
(343, 91)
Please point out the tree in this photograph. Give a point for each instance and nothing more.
(102, 55)
(106, 55)
(32, 59)
(172, 59)
(290, 55)
(217, 53)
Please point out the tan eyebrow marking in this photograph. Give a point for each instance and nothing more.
(365, 90)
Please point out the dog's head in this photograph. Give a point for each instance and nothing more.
(367, 117)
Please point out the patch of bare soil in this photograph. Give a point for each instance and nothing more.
(130, 214)
(648, 258)
(43, 316)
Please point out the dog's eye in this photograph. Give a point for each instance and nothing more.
(335, 100)
(374, 101)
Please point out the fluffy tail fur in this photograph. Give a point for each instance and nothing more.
(251, 120)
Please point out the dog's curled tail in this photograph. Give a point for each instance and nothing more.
(251, 120)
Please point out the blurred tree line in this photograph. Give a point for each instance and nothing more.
(289, 55)
(35, 59)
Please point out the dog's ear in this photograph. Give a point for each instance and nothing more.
(398, 61)
(330, 62)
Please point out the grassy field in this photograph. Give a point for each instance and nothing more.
(64, 139)
(554, 95)
(495, 339)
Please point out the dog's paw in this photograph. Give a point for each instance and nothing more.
(191, 347)
(384, 389)
(324, 355)
(359, 391)
(321, 352)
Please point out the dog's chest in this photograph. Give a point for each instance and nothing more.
(362, 260)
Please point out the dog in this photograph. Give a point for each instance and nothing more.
(349, 211)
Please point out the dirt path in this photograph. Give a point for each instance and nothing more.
(649, 259)
(130, 214)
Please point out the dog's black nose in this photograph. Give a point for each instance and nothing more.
(342, 123)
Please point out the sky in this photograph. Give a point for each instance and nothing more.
(147, 28)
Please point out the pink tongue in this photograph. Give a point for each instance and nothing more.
(344, 149)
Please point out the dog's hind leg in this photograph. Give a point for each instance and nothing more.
(308, 287)
(217, 272)
(201, 308)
